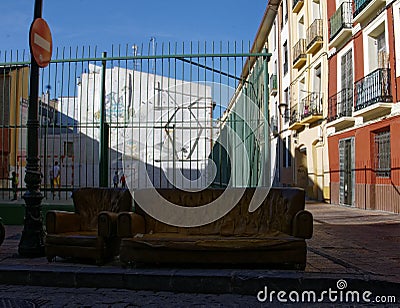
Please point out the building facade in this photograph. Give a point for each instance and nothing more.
(363, 116)
(298, 43)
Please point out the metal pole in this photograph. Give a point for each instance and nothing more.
(32, 240)
(103, 146)
(267, 159)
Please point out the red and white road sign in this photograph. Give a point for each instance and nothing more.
(40, 42)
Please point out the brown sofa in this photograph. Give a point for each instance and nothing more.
(272, 236)
(89, 232)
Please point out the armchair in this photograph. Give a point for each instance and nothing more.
(90, 231)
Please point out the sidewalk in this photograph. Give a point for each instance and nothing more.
(361, 247)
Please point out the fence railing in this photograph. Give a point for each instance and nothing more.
(359, 5)
(369, 176)
(315, 32)
(340, 105)
(311, 105)
(341, 19)
(299, 50)
(165, 108)
(372, 89)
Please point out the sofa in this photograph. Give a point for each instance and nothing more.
(90, 232)
(272, 236)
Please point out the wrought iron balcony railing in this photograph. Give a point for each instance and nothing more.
(359, 5)
(299, 50)
(314, 32)
(311, 105)
(341, 19)
(373, 88)
(340, 105)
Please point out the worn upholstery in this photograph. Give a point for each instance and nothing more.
(274, 234)
(90, 232)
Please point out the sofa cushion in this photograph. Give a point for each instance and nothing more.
(83, 239)
(272, 240)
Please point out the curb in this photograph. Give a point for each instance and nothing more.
(217, 281)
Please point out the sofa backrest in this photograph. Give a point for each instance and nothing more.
(89, 202)
(275, 213)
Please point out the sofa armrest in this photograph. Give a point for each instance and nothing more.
(303, 224)
(107, 224)
(129, 224)
(60, 222)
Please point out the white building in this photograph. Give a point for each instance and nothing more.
(159, 126)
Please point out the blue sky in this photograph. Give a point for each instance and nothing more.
(103, 23)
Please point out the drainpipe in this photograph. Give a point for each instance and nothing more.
(267, 158)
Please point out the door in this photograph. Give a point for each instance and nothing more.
(345, 108)
(347, 166)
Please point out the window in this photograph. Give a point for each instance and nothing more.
(68, 149)
(285, 9)
(382, 154)
(316, 9)
(287, 157)
(274, 36)
(286, 97)
(317, 79)
(285, 58)
(377, 55)
(300, 28)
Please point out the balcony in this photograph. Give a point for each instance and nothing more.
(340, 109)
(299, 54)
(297, 5)
(311, 108)
(340, 24)
(372, 95)
(273, 84)
(294, 119)
(315, 36)
(365, 8)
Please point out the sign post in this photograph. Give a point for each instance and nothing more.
(32, 239)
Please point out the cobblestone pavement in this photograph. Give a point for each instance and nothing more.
(28, 296)
(12, 296)
(362, 247)
(349, 240)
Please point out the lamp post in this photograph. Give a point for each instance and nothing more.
(32, 239)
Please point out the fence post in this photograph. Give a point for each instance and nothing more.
(267, 160)
(103, 146)
(365, 187)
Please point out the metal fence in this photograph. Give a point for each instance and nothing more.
(375, 185)
(171, 111)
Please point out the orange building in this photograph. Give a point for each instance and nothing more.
(363, 123)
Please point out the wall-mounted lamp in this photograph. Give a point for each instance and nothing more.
(282, 107)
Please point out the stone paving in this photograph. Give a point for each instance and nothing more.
(361, 248)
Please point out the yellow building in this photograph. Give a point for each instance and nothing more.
(308, 95)
(14, 81)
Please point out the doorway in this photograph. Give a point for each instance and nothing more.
(347, 168)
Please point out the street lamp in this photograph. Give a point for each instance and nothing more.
(282, 107)
(32, 239)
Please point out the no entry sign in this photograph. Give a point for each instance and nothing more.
(40, 42)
